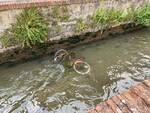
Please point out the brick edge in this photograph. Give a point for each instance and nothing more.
(43, 3)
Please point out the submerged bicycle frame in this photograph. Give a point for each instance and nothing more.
(62, 54)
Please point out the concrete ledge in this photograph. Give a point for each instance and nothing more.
(17, 54)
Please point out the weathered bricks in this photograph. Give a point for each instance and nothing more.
(40, 3)
(135, 100)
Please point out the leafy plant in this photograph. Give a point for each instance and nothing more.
(80, 26)
(142, 15)
(100, 17)
(30, 28)
(115, 15)
(128, 14)
(60, 13)
(104, 16)
(7, 39)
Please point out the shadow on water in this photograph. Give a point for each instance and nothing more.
(40, 86)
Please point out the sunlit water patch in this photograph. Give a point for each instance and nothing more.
(40, 86)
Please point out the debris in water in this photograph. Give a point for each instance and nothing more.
(70, 60)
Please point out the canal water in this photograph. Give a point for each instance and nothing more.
(40, 86)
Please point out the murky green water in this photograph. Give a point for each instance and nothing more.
(40, 86)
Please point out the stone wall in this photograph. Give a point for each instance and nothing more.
(62, 16)
(72, 10)
(17, 54)
(6, 18)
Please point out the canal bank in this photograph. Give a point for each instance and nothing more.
(69, 25)
(120, 60)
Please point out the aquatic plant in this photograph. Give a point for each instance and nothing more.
(142, 15)
(30, 28)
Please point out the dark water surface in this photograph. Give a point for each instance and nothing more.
(39, 86)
